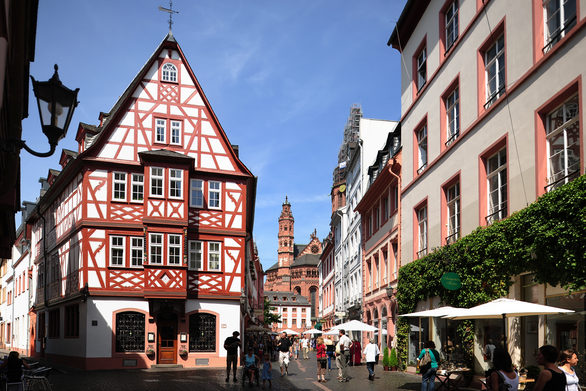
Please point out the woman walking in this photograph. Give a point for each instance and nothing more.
(322, 359)
(551, 378)
(428, 363)
(568, 360)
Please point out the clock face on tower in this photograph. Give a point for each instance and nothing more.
(314, 249)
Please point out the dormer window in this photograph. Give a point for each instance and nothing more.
(169, 73)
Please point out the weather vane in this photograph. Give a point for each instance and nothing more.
(171, 11)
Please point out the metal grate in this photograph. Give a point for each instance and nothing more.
(130, 328)
(202, 333)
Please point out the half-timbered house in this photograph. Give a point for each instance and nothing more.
(139, 242)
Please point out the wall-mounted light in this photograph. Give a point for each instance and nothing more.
(56, 104)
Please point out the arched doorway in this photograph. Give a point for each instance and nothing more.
(384, 331)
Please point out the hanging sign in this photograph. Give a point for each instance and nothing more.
(451, 281)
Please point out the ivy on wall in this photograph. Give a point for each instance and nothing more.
(548, 239)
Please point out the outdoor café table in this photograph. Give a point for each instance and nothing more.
(450, 379)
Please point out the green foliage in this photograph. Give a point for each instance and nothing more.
(269, 316)
(393, 359)
(545, 239)
(386, 358)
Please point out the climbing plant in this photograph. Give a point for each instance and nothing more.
(545, 239)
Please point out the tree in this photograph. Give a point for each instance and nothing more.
(269, 316)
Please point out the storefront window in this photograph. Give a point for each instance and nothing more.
(419, 333)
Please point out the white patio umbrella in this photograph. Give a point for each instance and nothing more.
(312, 331)
(436, 313)
(289, 332)
(355, 325)
(332, 331)
(506, 308)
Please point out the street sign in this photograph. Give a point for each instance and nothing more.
(340, 314)
(451, 281)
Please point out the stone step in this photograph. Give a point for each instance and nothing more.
(166, 366)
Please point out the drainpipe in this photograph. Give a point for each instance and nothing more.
(398, 261)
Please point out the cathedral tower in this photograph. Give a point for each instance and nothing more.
(286, 235)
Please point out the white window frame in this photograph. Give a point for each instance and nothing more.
(212, 253)
(136, 251)
(452, 103)
(422, 149)
(155, 245)
(195, 251)
(570, 113)
(421, 78)
(175, 183)
(550, 38)
(174, 251)
(118, 247)
(422, 231)
(196, 186)
(137, 182)
(212, 201)
(451, 19)
(118, 186)
(169, 73)
(160, 130)
(453, 210)
(494, 55)
(175, 132)
(160, 181)
(496, 185)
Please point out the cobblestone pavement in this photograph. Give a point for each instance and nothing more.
(302, 376)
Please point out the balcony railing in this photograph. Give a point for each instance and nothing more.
(557, 36)
(453, 237)
(452, 138)
(555, 183)
(422, 253)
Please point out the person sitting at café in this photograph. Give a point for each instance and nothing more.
(13, 366)
(503, 375)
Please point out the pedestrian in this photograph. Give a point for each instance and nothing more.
(489, 351)
(357, 348)
(231, 344)
(266, 371)
(330, 348)
(250, 362)
(551, 378)
(13, 367)
(296, 348)
(305, 347)
(371, 352)
(503, 376)
(428, 363)
(568, 360)
(322, 359)
(344, 356)
(284, 348)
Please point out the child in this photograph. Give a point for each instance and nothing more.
(266, 371)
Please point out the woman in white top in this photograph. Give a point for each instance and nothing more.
(568, 360)
(503, 371)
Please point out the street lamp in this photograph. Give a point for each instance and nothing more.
(56, 105)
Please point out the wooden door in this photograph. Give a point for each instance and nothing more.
(167, 339)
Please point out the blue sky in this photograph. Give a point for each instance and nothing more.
(280, 75)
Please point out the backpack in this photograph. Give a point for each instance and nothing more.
(426, 360)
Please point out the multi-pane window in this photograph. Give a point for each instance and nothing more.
(563, 143)
(422, 231)
(156, 248)
(169, 72)
(494, 63)
(137, 187)
(176, 132)
(560, 17)
(453, 205)
(117, 250)
(451, 17)
(214, 256)
(160, 130)
(136, 251)
(195, 255)
(496, 177)
(421, 69)
(130, 332)
(452, 103)
(202, 333)
(119, 186)
(386, 210)
(422, 149)
(214, 194)
(175, 183)
(157, 179)
(196, 193)
(174, 249)
(71, 329)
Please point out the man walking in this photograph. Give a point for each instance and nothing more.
(284, 348)
(305, 347)
(371, 352)
(231, 345)
(344, 355)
